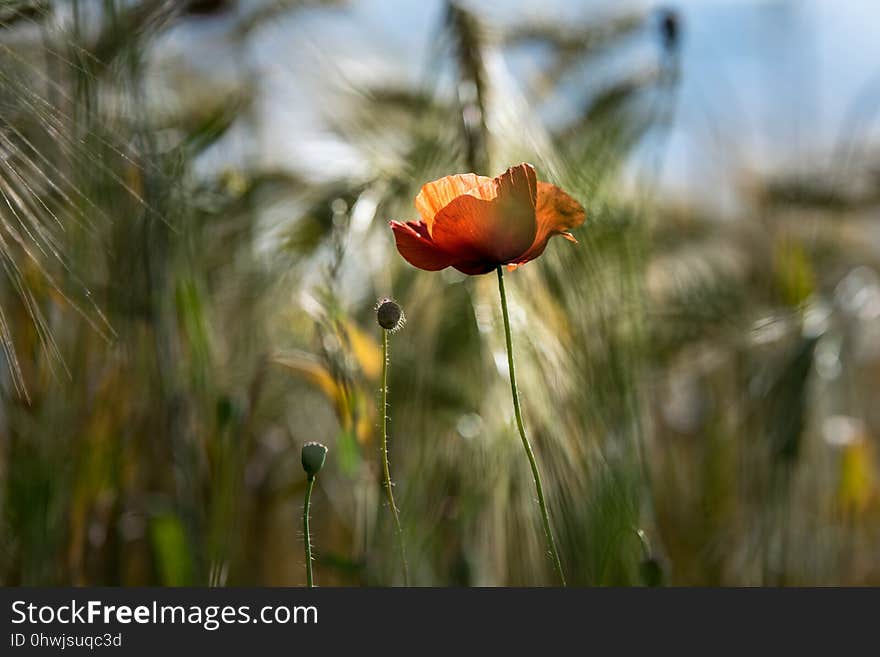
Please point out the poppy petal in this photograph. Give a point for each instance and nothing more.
(516, 225)
(436, 195)
(475, 268)
(555, 213)
(417, 247)
(473, 230)
(463, 228)
(490, 231)
(519, 182)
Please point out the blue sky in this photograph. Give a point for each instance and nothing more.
(766, 84)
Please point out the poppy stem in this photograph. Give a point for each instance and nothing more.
(389, 491)
(307, 537)
(539, 488)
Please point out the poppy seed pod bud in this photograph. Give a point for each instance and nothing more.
(389, 314)
(313, 455)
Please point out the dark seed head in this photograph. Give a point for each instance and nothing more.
(670, 29)
(389, 315)
(313, 455)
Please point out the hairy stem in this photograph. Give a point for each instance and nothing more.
(386, 479)
(306, 536)
(539, 488)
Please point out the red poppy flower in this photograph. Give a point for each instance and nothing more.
(475, 223)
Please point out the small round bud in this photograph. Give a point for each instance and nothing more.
(389, 314)
(313, 455)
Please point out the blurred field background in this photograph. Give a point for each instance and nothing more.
(194, 199)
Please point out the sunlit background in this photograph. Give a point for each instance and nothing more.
(194, 198)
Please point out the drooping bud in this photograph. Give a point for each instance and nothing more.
(389, 314)
(313, 455)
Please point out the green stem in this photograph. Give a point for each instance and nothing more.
(307, 537)
(389, 491)
(539, 488)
